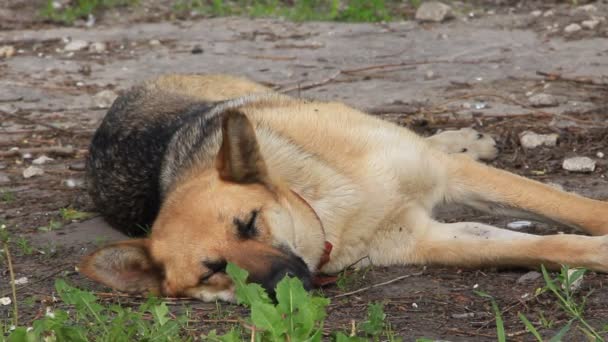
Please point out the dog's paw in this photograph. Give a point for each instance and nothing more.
(467, 141)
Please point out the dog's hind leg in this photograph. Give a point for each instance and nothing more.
(500, 192)
(469, 244)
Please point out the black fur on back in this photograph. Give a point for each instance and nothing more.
(126, 153)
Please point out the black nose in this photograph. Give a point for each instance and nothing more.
(291, 266)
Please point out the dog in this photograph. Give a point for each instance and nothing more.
(222, 169)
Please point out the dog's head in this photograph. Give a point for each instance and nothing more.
(235, 212)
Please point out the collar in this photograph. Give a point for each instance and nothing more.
(320, 279)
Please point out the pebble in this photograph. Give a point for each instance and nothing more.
(464, 315)
(7, 51)
(41, 160)
(32, 171)
(517, 225)
(536, 13)
(76, 45)
(572, 28)
(104, 98)
(579, 164)
(433, 11)
(5, 301)
(21, 281)
(154, 42)
(529, 277)
(73, 183)
(587, 8)
(529, 139)
(429, 75)
(98, 47)
(548, 13)
(590, 24)
(543, 100)
(600, 154)
(196, 50)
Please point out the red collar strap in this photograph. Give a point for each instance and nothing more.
(320, 279)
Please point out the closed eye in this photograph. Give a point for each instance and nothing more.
(247, 229)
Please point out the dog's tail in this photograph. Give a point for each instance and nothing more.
(500, 192)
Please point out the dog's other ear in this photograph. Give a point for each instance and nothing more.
(125, 266)
(239, 159)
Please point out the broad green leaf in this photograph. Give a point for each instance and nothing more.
(246, 294)
(161, 313)
(375, 319)
(290, 295)
(266, 316)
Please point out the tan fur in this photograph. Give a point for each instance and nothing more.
(373, 186)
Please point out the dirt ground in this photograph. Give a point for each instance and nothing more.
(477, 70)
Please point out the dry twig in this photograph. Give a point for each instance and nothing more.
(363, 289)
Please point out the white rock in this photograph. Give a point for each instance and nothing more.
(579, 164)
(104, 98)
(21, 281)
(154, 42)
(528, 277)
(543, 100)
(76, 45)
(590, 24)
(98, 47)
(429, 75)
(433, 11)
(574, 27)
(600, 154)
(32, 171)
(529, 139)
(5, 301)
(587, 8)
(7, 51)
(463, 315)
(519, 224)
(549, 13)
(536, 13)
(73, 183)
(41, 160)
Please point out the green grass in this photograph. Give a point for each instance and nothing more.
(301, 10)
(78, 9)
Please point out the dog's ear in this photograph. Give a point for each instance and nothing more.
(125, 266)
(239, 159)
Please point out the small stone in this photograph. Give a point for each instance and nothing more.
(5, 301)
(21, 281)
(7, 51)
(41, 160)
(600, 154)
(26, 155)
(590, 24)
(32, 171)
(517, 225)
(572, 28)
(543, 100)
(529, 277)
(429, 75)
(579, 164)
(536, 13)
(154, 42)
(196, 50)
(73, 183)
(98, 47)
(464, 315)
(433, 11)
(529, 139)
(76, 45)
(104, 98)
(548, 13)
(587, 8)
